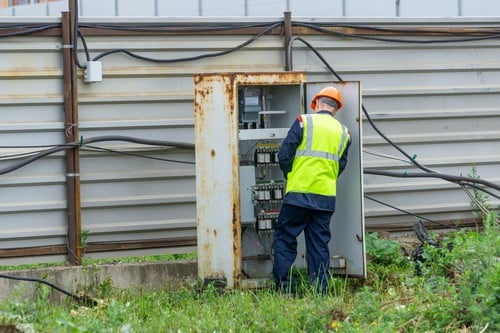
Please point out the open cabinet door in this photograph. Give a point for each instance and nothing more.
(347, 248)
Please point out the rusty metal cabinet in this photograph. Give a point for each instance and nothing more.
(240, 120)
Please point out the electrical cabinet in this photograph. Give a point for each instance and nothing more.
(240, 121)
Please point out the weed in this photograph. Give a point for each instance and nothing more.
(105, 288)
(84, 236)
(458, 291)
(385, 252)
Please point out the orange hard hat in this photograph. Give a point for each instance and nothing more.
(330, 92)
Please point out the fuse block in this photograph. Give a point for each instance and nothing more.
(266, 155)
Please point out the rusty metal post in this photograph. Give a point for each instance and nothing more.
(71, 135)
(287, 26)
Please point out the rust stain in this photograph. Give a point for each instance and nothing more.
(236, 241)
(198, 78)
(207, 95)
(207, 262)
(271, 78)
(229, 92)
(203, 93)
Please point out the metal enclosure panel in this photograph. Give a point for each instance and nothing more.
(265, 8)
(223, 8)
(363, 8)
(179, 8)
(247, 181)
(429, 8)
(330, 8)
(218, 171)
(98, 8)
(56, 7)
(32, 10)
(9, 11)
(130, 8)
(217, 185)
(348, 221)
(480, 8)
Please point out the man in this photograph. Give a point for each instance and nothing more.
(312, 156)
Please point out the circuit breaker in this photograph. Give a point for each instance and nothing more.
(240, 121)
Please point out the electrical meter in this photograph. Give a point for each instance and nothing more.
(250, 102)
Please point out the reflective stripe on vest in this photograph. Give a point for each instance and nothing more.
(322, 154)
(316, 164)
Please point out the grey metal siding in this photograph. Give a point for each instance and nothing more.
(440, 102)
(32, 200)
(299, 8)
(130, 198)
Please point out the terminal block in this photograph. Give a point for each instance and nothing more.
(266, 155)
(268, 192)
(266, 220)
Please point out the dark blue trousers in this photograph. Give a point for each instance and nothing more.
(292, 220)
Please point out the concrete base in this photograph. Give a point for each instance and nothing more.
(87, 279)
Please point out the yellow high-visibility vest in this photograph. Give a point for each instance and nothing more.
(316, 165)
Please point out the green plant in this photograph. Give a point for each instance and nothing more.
(464, 282)
(479, 200)
(459, 291)
(384, 251)
(105, 288)
(84, 236)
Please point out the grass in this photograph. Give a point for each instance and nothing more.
(91, 262)
(457, 291)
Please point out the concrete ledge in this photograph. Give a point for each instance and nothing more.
(87, 279)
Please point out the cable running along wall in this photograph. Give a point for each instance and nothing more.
(409, 73)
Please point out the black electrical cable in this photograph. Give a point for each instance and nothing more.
(177, 28)
(138, 155)
(82, 142)
(84, 43)
(365, 112)
(198, 57)
(23, 26)
(33, 158)
(75, 37)
(411, 31)
(476, 187)
(407, 212)
(85, 299)
(312, 48)
(18, 155)
(452, 178)
(36, 146)
(30, 31)
(456, 179)
(183, 145)
(28, 153)
(394, 40)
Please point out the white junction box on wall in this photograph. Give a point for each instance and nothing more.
(240, 121)
(93, 72)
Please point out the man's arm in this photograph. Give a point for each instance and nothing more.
(343, 158)
(289, 146)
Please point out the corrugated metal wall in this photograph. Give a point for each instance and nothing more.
(328, 8)
(33, 202)
(440, 102)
